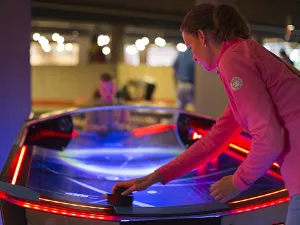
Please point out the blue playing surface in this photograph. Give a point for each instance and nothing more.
(91, 165)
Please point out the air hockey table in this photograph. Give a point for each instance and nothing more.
(57, 173)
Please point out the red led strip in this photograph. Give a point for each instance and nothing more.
(56, 210)
(242, 158)
(72, 204)
(232, 145)
(243, 150)
(47, 133)
(153, 129)
(235, 155)
(102, 216)
(140, 131)
(67, 212)
(19, 164)
(260, 206)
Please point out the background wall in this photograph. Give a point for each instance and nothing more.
(60, 86)
(163, 77)
(210, 97)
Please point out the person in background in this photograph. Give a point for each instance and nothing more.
(107, 120)
(184, 70)
(285, 57)
(263, 93)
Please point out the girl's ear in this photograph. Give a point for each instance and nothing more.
(202, 37)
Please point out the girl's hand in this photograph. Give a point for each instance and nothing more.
(224, 189)
(138, 184)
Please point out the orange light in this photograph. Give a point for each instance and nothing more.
(257, 197)
(18, 167)
(196, 136)
(246, 151)
(72, 204)
(243, 150)
(236, 147)
(153, 129)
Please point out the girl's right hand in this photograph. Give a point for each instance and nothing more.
(139, 184)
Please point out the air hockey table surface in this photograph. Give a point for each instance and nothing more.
(66, 170)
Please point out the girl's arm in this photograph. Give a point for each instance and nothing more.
(248, 92)
(208, 147)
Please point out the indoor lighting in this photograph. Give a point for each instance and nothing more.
(291, 27)
(69, 47)
(43, 40)
(145, 40)
(106, 50)
(140, 45)
(103, 40)
(160, 42)
(60, 40)
(55, 37)
(46, 48)
(295, 55)
(36, 36)
(181, 47)
(131, 50)
(60, 47)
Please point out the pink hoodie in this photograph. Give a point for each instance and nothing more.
(264, 95)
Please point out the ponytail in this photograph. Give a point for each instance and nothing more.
(224, 21)
(229, 23)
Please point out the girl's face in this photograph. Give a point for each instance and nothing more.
(201, 50)
(107, 90)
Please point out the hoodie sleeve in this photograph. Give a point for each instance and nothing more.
(209, 146)
(248, 92)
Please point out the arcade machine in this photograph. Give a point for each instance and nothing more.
(56, 174)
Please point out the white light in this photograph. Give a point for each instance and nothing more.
(69, 47)
(131, 50)
(295, 55)
(160, 42)
(140, 45)
(60, 47)
(181, 47)
(106, 50)
(36, 36)
(43, 40)
(60, 40)
(145, 40)
(139, 42)
(268, 47)
(291, 27)
(103, 40)
(112, 178)
(46, 48)
(55, 36)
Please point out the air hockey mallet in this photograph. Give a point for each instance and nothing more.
(117, 199)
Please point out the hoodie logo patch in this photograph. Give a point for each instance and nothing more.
(236, 83)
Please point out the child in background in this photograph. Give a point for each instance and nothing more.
(107, 120)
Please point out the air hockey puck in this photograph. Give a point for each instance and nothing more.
(117, 199)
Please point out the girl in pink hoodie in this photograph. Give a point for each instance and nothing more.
(264, 93)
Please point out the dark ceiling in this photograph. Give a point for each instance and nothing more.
(160, 13)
